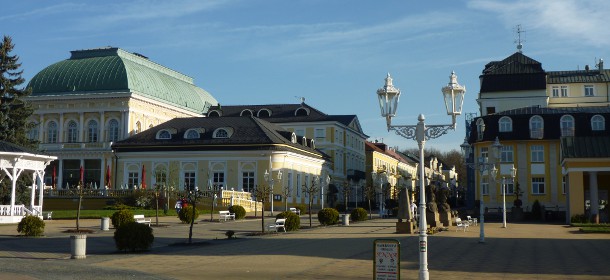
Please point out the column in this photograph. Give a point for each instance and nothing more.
(41, 129)
(81, 132)
(60, 132)
(102, 131)
(33, 192)
(60, 175)
(593, 196)
(40, 197)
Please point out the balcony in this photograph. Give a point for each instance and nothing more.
(57, 147)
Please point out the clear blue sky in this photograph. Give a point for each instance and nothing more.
(334, 53)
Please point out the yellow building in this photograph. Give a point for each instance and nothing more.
(99, 96)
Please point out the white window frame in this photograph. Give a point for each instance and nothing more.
(190, 180)
(320, 134)
(505, 124)
(72, 132)
(536, 127)
(564, 91)
(485, 185)
(567, 125)
(538, 184)
(52, 132)
(589, 90)
(113, 130)
(506, 154)
(92, 131)
(555, 91)
(537, 153)
(598, 123)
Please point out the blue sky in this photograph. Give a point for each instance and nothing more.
(336, 54)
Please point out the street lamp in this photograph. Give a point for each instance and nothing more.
(270, 182)
(327, 181)
(379, 178)
(483, 166)
(513, 174)
(388, 101)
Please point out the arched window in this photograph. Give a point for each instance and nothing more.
(221, 133)
(72, 132)
(214, 114)
(567, 125)
(113, 130)
(164, 134)
(598, 123)
(92, 131)
(536, 127)
(264, 113)
(301, 112)
(52, 132)
(246, 113)
(506, 124)
(192, 134)
(480, 129)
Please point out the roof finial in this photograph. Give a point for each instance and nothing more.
(519, 41)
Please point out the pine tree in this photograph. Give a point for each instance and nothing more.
(14, 111)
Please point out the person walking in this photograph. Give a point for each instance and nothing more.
(178, 206)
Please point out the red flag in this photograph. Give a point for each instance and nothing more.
(82, 175)
(108, 183)
(53, 178)
(143, 177)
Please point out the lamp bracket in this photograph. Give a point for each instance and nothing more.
(431, 131)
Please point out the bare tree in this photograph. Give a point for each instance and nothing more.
(262, 194)
(286, 193)
(347, 190)
(369, 193)
(310, 191)
(193, 197)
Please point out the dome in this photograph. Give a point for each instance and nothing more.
(112, 70)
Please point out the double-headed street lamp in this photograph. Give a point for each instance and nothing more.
(270, 181)
(388, 102)
(513, 174)
(379, 177)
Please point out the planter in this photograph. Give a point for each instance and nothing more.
(345, 219)
(78, 245)
(105, 224)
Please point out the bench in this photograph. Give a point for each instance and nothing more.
(226, 215)
(141, 219)
(47, 215)
(295, 210)
(461, 224)
(279, 223)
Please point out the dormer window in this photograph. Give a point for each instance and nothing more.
(304, 143)
(164, 134)
(312, 143)
(598, 123)
(246, 113)
(567, 125)
(293, 138)
(214, 113)
(302, 111)
(536, 127)
(480, 129)
(506, 124)
(191, 134)
(264, 113)
(223, 132)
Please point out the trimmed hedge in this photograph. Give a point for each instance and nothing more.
(31, 226)
(328, 216)
(359, 214)
(293, 221)
(186, 214)
(122, 217)
(239, 211)
(133, 236)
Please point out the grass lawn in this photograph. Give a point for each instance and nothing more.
(592, 228)
(97, 214)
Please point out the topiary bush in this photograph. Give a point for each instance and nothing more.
(186, 214)
(293, 221)
(239, 211)
(328, 216)
(31, 226)
(359, 214)
(133, 236)
(122, 217)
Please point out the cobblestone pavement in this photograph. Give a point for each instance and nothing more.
(521, 251)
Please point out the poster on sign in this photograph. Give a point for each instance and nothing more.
(386, 259)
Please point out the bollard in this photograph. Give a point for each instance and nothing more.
(105, 223)
(78, 244)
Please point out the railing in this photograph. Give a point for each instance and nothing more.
(18, 210)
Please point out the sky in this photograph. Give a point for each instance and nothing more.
(334, 53)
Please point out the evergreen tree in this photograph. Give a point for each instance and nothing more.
(14, 111)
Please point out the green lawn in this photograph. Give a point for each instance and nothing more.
(97, 214)
(592, 228)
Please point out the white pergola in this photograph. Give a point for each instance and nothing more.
(13, 161)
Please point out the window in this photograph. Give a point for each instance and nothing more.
(564, 91)
(214, 114)
(264, 113)
(485, 185)
(246, 113)
(161, 176)
(510, 186)
(247, 181)
(221, 133)
(320, 133)
(92, 131)
(555, 91)
(133, 179)
(537, 153)
(164, 134)
(480, 129)
(299, 132)
(33, 132)
(52, 132)
(589, 90)
(538, 185)
(506, 154)
(536, 127)
(72, 132)
(598, 123)
(192, 134)
(506, 124)
(189, 181)
(484, 154)
(113, 130)
(219, 179)
(567, 125)
(298, 182)
(563, 185)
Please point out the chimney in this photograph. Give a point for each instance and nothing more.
(600, 66)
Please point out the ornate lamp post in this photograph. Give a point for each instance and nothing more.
(513, 174)
(483, 166)
(270, 182)
(388, 101)
(379, 177)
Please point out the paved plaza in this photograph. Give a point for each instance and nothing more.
(522, 251)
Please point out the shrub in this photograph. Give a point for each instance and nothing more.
(31, 226)
(186, 214)
(230, 234)
(579, 219)
(133, 236)
(359, 214)
(328, 216)
(302, 208)
(121, 217)
(293, 221)
(239, 211)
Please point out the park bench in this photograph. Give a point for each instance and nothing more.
(141, 219)
(225, 215)
(295, 210)
(471, 220)
(47, 215)
(279, 223)
(460, 224)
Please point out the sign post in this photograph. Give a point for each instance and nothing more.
(386, 259)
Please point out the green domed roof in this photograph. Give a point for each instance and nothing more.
(113, 70)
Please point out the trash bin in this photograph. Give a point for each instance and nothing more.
(345, 219)
(78, 246)
(105, 223)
